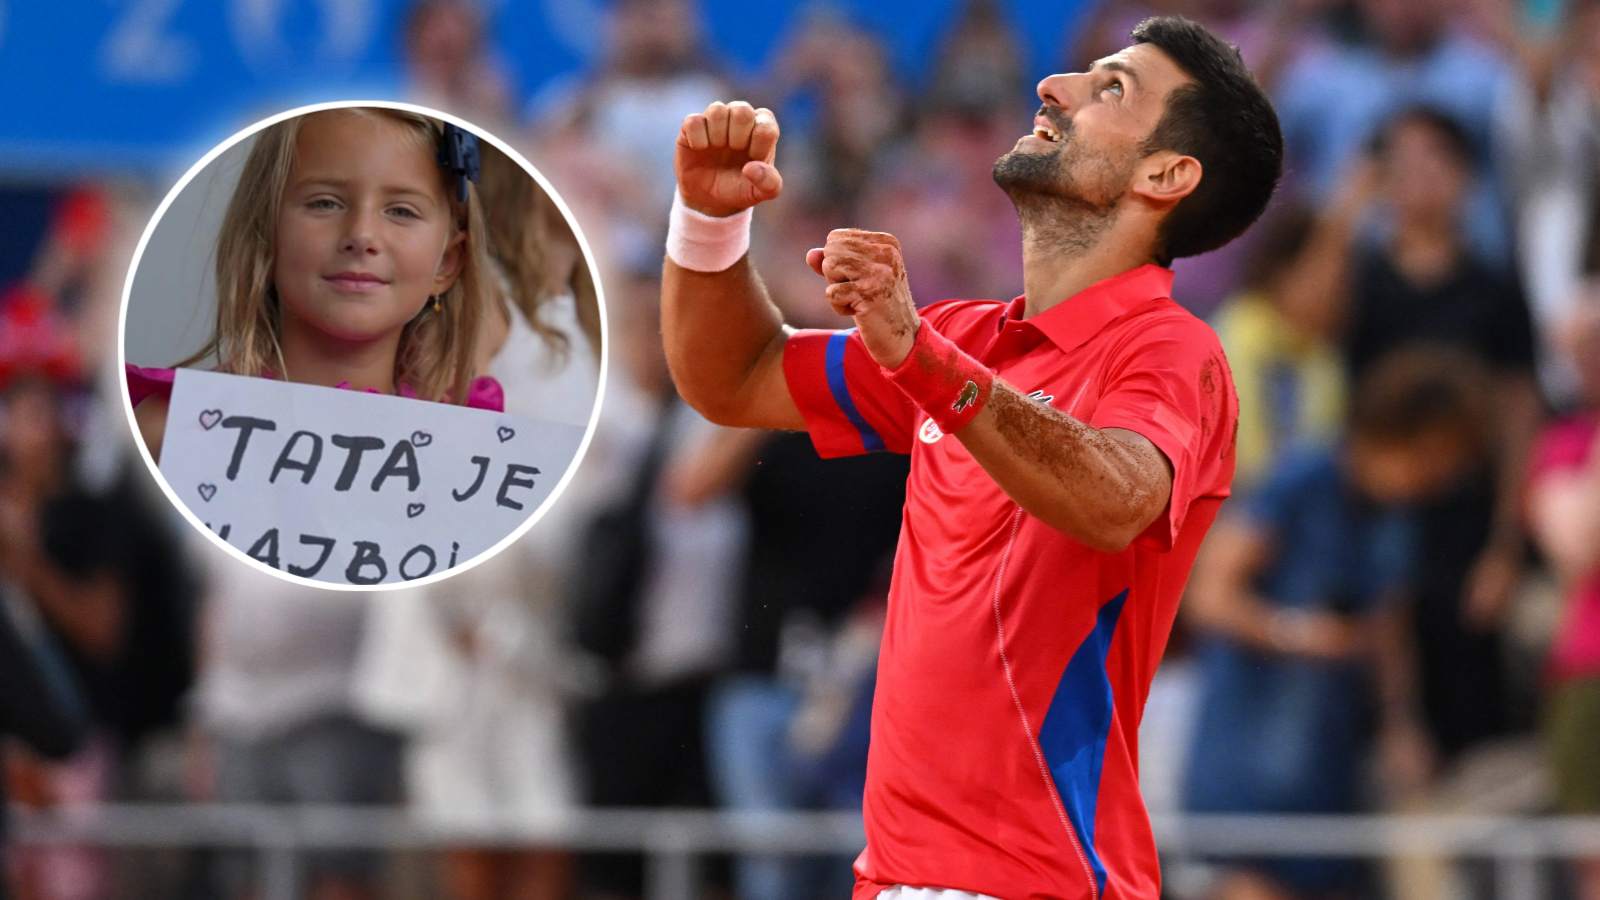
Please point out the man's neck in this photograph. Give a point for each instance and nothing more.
(1052, 271)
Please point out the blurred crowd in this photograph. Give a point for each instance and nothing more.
(1399, 610)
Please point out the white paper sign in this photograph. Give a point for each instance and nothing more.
(350, 487)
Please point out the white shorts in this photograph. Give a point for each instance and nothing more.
(902, 892)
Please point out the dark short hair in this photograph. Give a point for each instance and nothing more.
(1423, 389)
(1458, 143)
(1224, 120)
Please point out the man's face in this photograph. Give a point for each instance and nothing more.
(1421, 175)
(1088, 135)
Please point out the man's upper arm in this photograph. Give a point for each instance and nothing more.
(841, 396)
(1169, 383)
(764, 400)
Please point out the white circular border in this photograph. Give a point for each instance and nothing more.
(594, 413)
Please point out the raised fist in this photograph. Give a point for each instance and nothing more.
(867, 281)
(724, 158)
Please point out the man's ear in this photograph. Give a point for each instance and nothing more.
(455, 253)
(1166, 177)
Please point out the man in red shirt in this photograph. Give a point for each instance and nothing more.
(1069, 450)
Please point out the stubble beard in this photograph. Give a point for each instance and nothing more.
(1059, 213)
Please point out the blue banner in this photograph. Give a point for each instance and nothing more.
(146, 86)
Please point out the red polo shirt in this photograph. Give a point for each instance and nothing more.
(1016, 660)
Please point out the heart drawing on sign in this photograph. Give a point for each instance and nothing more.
(421, 439)
(415, 509)
(209, 418)
(208, 491)
(505, 433)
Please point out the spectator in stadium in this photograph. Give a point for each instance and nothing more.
(1420, 282)
(1334, 97)
(791, 624)
(276, 721)
(654, 65)
(1295, 604)
(39, 704)
(450, 65)
(1425, 284)
(1564, 508)
(654, 583)
(1549, 131)
(1286, 367)
(835, 76)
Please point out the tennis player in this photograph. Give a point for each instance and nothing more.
(1069, 450)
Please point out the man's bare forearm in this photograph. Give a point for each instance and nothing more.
(724, 343)
(1103, 487)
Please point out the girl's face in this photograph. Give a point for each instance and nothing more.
(364, 232)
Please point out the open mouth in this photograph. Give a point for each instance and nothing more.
(1043, 130)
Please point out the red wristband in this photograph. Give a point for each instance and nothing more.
(949, 385)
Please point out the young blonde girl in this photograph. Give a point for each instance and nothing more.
(474, 672)
(353, 253)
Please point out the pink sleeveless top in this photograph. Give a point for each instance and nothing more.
(484, 392)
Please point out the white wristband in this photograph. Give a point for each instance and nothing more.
(703, 243)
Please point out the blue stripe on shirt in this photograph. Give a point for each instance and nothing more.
(1073, 736)
(841, 392)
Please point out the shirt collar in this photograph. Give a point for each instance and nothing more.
(1079, 317)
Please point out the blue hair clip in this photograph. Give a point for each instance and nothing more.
(458, 154)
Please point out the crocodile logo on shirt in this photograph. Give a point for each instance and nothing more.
(968, 396)
(930, 432)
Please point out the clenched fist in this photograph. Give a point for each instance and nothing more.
(724, 158)
(867, 281)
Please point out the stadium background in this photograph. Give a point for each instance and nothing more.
(740, 680)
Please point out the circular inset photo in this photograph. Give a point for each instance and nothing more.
(363, 345)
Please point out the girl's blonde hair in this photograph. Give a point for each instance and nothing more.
(524, 223)
(437, 355)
